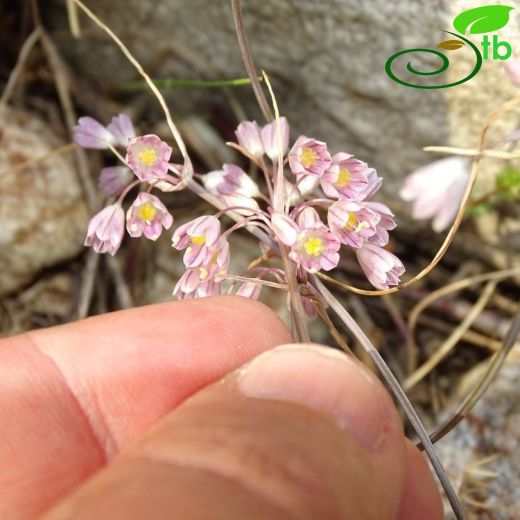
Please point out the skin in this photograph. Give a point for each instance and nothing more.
(142, 414)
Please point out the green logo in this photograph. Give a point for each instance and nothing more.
(480, 20)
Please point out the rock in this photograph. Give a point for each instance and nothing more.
(42, 212)
(482, 454)
(327, 63)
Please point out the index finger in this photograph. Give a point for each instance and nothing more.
(71, 397)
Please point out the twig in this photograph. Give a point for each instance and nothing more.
(453, 339)
(398, 392)
(72, 14)
(258, 281)
(334, 332)
(25, 51)
(122, 290)
(481, 387)
(129, 56)
(456, 286)
(87, 284)
(61, 79)
(470, 336)
(471, 152)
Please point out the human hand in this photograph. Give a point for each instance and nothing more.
(146, 414)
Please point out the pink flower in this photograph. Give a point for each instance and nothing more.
(216, 263)
(114, 179)
(147, 215)
(249, 290)
(437, 190)
(233, 186)
(89, 133)
(352, 223)
(190, 285)
(231, 180)
(121, 129)
(308, 157)
(381, 267)
(513, 71)
(373, 184)
(148, 156)
(285, 228)
(269, 138)
(198, 237)
(346, 177)
(386, 222)
(106, 229)
(204, 279)
(313, 247)
(248, 137)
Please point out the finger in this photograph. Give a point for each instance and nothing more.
(301, 432)
(71, 397)
(421, 497)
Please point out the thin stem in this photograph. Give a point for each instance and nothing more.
(480, 388)
(398, 392)
(131, 86)
(217, 203)
(130, 57)
(258, 212)
(259, 281)
(447, 346)
(471, 152)
(25, 51)
(72, 14)
(300, 326)
(127, 190)
(298, 313)
(248, 60)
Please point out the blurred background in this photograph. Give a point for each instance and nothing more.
(326, 61)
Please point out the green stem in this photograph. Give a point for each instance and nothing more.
(132, 86)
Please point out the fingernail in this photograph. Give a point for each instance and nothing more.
(325, 380)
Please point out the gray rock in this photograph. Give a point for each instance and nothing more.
(42, 213)
(327, 63)
(482, 454)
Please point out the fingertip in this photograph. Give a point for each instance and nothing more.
(421, 497)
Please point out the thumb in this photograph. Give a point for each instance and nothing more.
(300, 432)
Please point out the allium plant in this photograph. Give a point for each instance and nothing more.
(319, 208)
(310, 208)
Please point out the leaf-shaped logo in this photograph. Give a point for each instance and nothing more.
(451, 45)
(487, 18)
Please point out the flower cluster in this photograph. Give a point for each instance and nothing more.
(147, 158)
(319, 205)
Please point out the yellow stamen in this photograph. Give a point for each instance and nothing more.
(343, 177)
(351, 222)
(362, 225)
(314, 246)
(308, 157)
(148, 156)
(147, 212)
(199, 240)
